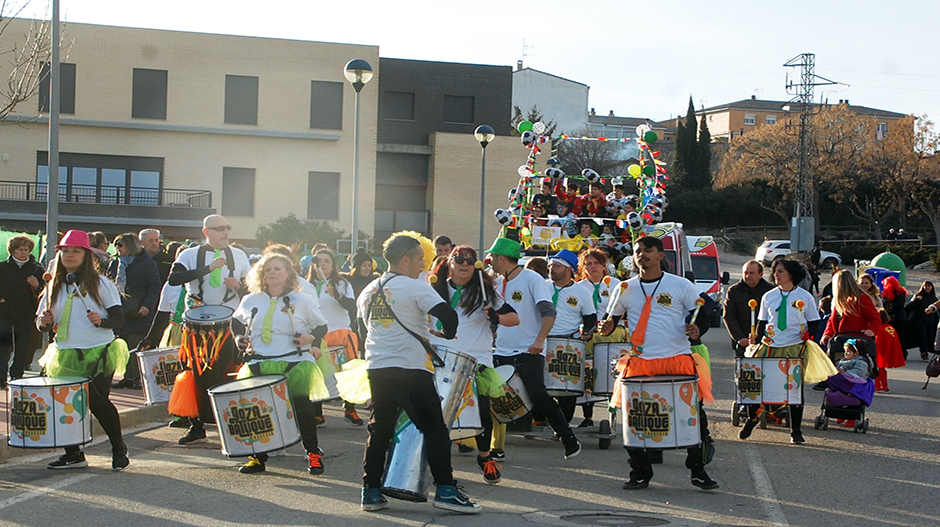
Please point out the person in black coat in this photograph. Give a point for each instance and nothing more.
(150, 240)
(20, 284)
(738, 314)
(923, 318)
(138, 280)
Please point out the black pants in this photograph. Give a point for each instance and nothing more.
(567, 405)
(695, 459)
(99, 390)
(16, 336)
(531, 369)
(394, 390)
(133, 366)
(486, 421)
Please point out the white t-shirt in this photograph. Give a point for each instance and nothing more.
(522, 293)
(474, 336)
(213, 295)
(673, 299)
(336, 315)
(82, 334)
(797, 317)
(302, 317)
(605, 290)
(308, 289)
(169, 297)
(574, 301)
(387, 344)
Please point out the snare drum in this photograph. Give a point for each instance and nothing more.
(208, 318)
(564, 366)
(407, 474)
(158, 369)
(467, 423)
(606, 355)
(769, 380)
(451, 379)
(515, 403)
(662, 412)
(590, 374)
(330, 362)
(49, 412)
(255, 415)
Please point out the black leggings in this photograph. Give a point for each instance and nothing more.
(486, 421)
(99, 390)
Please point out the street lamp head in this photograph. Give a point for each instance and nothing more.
(358, 72)
(785, 107)
(484, 134)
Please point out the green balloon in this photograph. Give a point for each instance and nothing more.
(649, 170)
(524, 126)
(650, 137)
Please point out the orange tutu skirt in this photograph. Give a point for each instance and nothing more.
(693, 364)
(183, 397)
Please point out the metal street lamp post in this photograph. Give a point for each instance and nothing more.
(484, 134)
(358, 72)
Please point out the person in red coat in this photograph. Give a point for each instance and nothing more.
(890, 353)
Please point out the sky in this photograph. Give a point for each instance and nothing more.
(640, 59)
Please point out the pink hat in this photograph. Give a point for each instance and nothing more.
(74, 238)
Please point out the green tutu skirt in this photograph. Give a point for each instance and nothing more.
(489, 383)
(104, 360)
(303, 380)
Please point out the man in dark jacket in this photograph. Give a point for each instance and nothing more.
(20, 284)
(151, 241)
(738, 314)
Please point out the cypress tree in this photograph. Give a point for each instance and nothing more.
(704, 173)
(685, 161)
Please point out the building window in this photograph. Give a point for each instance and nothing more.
(750, 119)
(881, 131)
(149, 99)
(458, 109)
(398, 106)
(241, 99)
(326, 105)
(323, 196)
(66, 88)
(98, 178)
(238, 191)
(770, 119)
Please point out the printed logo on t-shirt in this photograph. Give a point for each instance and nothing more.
(381, 313)
(664, 299)
(516, 296)
(572, 301)
(605, 293)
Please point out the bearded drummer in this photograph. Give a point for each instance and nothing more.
(656, 305)
(479, 309)
(212, 275)
(283, 327)
(394, 310)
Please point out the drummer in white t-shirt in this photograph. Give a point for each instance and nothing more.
(394, 310)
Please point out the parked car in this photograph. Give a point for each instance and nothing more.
(772, 250)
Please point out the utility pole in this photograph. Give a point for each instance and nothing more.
(803, 223)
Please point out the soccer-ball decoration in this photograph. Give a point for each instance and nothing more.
(634, 220)
(503, 216)
(514, 192)
(590, 175)
(664, 200)
(554, 173)
(529, 137)
(615, 208)
(538, 127)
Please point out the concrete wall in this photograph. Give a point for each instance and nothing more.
(559, 100)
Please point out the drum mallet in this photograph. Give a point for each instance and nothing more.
(699, 302)
(479, 265)
(47, 278)
(753, 305)
(290, 317)
(70, 279)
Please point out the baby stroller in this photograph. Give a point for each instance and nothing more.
(847, 398)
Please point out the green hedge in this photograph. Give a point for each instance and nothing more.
(910, 253)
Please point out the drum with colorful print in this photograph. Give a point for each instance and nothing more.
(158, 369)
(467, 423)
(330, 362)
(255, 415)
(606, 355)
(769, 380)
(564, 366)
(589, 397)
(661, 412)
(515, 403)
(452, 378)
(48, 412)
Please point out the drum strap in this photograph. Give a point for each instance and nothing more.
(380, 291)
(229, 262)
(256, 368)
(272, 357)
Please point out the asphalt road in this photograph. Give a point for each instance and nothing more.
(885, 477)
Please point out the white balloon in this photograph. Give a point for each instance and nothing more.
(524, 171)
(538, 127)
(641, 130)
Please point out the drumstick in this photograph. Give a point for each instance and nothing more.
(616, 298)
(47, 278)
(479, 265)
(290, 317)
(71, 279)
(699, 302)
(753, 305)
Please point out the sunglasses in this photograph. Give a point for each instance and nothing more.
(460, 260)
(220, 228)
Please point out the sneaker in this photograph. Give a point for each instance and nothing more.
(353, 417)
(821, 386)
(850, 423)
(923, 356)
(572, 447)
(464, 449)
(321, 420)
(253, 466)
(119, 459)
(498, 455)
(797, 438)
(490, 469)
(540, 423)
(747, 429)
(314, 464)
(76, 460)
(193, 436)
(180, 422)
(372, 499)
(636, 483)
(587, 423)
(701, 480)
(452, 498)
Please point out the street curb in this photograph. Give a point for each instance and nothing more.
(130, 418)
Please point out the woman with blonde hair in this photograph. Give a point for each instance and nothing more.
(853, 310)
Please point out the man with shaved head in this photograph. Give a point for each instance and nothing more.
(212, 274)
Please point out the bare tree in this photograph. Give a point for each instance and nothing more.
(577, 154)
(22, 57)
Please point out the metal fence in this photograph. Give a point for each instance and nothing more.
(167, 197)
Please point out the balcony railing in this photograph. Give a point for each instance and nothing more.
(167, 197)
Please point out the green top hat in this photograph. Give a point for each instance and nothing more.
(506, 247)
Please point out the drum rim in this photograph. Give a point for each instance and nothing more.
(158, 350)
(646, 379)
(26, 381)
(275, 378)
(231, 313)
